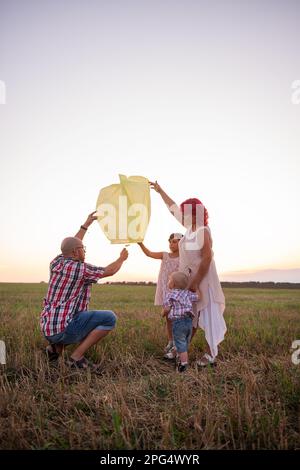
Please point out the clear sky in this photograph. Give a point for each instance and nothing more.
(196, 94)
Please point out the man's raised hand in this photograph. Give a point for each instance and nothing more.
(124, 254)
(91, 218)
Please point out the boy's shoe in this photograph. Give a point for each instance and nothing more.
(171, 355)
(169, 346)
(182, 367)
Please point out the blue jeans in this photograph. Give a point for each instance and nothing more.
(182, 333)
(82, 324)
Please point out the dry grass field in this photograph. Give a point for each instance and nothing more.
(249, 401)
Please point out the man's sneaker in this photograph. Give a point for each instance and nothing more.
(182, 367)
(171, 355)
(51, 353)
(169, 346)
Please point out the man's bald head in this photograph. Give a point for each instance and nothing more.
(69, 244)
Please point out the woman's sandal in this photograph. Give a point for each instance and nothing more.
(206, 360)
(51, 353)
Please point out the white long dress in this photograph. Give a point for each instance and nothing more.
(209, 310)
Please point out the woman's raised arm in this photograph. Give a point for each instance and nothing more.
(167, 200)
(172, 206)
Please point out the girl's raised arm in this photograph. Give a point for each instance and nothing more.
(151, 254)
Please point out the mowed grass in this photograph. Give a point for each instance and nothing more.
(249, 401)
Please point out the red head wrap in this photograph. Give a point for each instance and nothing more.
(193, 202)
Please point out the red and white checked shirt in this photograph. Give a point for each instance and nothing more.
(181, 303)
(68, 293)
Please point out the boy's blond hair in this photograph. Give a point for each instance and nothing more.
(180, 280)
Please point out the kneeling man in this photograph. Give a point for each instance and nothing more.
(65, 318)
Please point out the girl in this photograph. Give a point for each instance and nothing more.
(169, 264)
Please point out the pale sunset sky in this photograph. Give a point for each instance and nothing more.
(196, 94)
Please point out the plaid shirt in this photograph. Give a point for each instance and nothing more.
(68, 293)
(180, 302)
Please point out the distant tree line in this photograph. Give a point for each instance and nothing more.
(263, 285)
(253, 284)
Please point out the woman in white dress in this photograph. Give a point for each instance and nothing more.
(196, 260)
